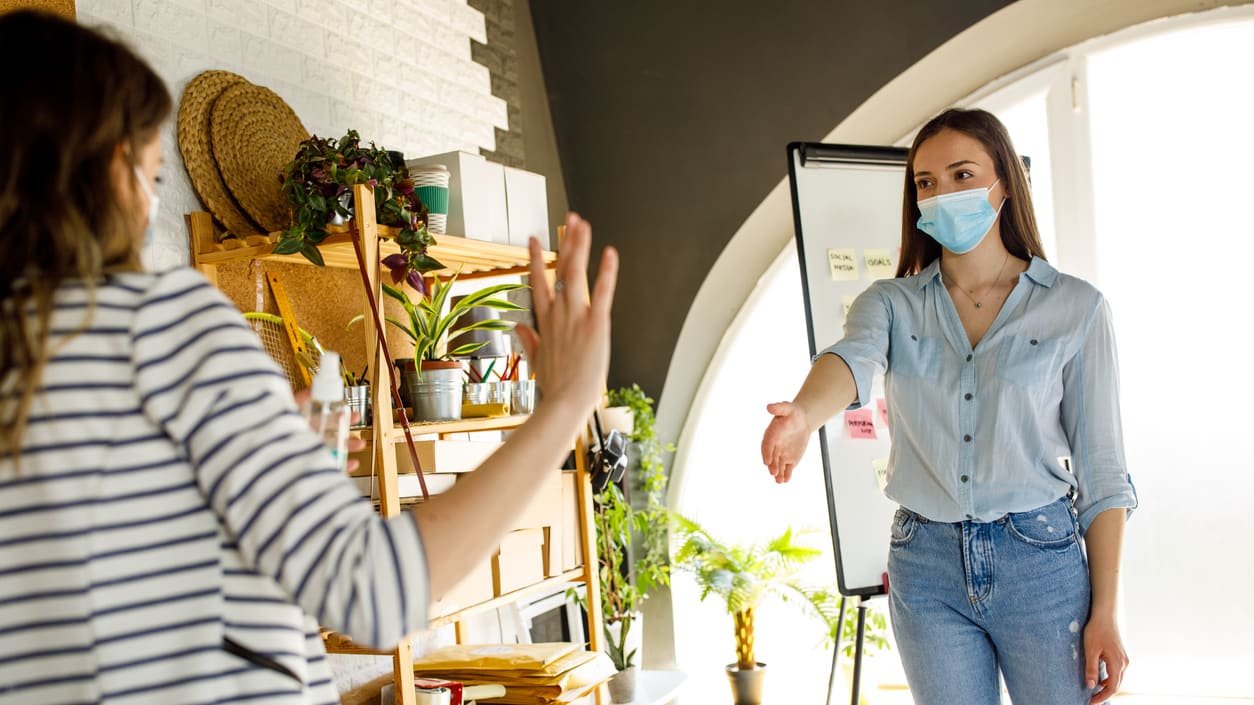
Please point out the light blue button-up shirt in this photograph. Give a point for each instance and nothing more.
(1029, 414)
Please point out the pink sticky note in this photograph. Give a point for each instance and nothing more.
(882, 406)
(859, 424)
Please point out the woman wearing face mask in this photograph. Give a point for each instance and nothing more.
(1002, 390)
(170, 528)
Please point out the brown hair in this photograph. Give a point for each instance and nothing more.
(71, 98)
(1018, 220)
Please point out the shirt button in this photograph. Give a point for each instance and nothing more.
(968, 358)
(967, 438)
(967, 396)
(1033, 341)
(970, 517)
(964, 478)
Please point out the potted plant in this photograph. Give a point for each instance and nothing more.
(436, 389)
(744, 575)
(318, 185)
(632, 555)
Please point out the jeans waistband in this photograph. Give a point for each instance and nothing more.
(1068, 499)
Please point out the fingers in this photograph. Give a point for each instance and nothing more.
(572, 261)
(1115, 668)
(779, 408)
(541, 294)
(1091, 659)
(530, 339)
(607, 281)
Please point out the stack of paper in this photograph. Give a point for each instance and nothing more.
(533, 674)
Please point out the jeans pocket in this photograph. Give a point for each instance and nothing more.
(1051, 527)
(904, 524)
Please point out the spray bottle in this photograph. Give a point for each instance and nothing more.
(326, 410)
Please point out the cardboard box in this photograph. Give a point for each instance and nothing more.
(476, 195)
(474, 588)
(445, 456)
(571, 546)
(519, 562)
(526, 207)
(545, 512)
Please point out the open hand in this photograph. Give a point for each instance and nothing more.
(785, 439)
(569, 349)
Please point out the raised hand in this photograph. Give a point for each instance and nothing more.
(570, 353)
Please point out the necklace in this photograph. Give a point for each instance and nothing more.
(969, 295)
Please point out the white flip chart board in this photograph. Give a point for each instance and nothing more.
(847, 211)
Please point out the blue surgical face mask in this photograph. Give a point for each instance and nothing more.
(149, 230)
(959, 220)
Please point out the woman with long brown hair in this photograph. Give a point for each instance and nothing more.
(1002, 390)
(171, 530)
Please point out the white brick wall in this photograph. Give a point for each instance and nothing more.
(397, 71)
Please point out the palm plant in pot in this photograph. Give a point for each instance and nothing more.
(745, 575)
(430, 321)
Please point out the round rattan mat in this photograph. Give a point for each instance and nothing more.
(193, 136)
(254, 134)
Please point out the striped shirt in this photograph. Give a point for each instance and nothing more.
(175, 531)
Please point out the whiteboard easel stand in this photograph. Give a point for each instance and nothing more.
(857, 652)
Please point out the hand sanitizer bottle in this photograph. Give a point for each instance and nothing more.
(326, 410)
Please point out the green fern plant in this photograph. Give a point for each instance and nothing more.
(745, 575)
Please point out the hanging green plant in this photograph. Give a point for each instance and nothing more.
(318, 184)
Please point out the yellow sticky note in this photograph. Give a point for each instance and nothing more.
(843, 264)
(880, 264)
(880, 466)
(845, 303)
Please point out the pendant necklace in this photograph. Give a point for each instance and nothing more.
(980, 303)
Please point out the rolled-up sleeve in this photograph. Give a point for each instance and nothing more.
(1091, 420)
(864, 348)
(294, 514)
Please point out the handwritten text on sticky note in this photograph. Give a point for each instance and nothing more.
(880, 465)
(879, 263)
(843, 264)
(860, 425)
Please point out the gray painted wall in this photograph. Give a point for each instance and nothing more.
(671, 121)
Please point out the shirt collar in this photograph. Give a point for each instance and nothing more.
(1039, 271)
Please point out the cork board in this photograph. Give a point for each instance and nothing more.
(65, 8)
(323, 299)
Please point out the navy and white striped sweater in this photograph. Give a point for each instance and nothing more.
(175, 532)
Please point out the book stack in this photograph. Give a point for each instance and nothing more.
(532, 674)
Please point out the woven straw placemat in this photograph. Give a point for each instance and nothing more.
(254, 134)
(193, 135)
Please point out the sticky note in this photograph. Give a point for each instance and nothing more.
(860, 425)
(845, 303)
(879, 264)
(843, 264)
(881, 406)
(880, 466)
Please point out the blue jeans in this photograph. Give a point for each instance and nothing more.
(968, 598)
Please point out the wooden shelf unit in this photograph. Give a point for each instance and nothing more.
(470, 259)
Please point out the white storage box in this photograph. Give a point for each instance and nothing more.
(527, 207)
(476, 195)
